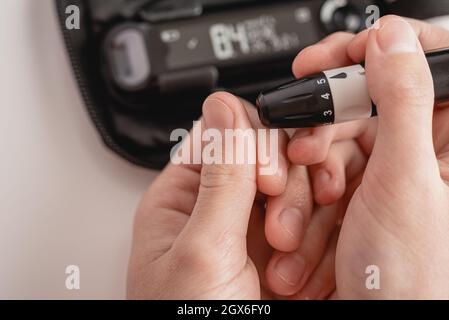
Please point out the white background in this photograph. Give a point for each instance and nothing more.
(64, 198)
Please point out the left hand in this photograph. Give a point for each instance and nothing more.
(200, 232)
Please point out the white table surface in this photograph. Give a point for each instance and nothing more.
(64, 198)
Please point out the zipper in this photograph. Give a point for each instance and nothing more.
(87, 99)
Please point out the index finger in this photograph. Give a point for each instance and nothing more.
(329, 53)
(342, 49)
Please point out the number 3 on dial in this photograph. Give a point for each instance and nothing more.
(328, 113)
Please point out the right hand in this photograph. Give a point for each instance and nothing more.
(397, 217)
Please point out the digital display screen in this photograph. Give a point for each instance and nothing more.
(246, 35)
(228, 40)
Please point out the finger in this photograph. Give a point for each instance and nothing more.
(308, 147)
(443, 162)
(272, 164)
(333, 296)
(288, 215)
(305, 151)
(161, 217)
(259, 250)
(430, 37)
(321, 283)
(287, 273)
(400, 84)
(227, 186)
(441, 141)
(441, 130)
(326, 54)
(329, 178)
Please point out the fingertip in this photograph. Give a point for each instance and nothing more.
(297, 66)
(314, 58)
(357, 47)
(273, 185)
(231, 101)
(273, 166)
(327, 54)
(288, 215)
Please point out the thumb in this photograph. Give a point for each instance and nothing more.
(228, 188)
(401, 86)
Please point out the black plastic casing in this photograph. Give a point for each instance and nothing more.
(298, 104)
(439, 66)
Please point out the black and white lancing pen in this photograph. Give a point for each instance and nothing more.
(336, 96)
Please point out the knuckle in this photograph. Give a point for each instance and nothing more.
(218, 177)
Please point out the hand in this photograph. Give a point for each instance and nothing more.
(396, 218)
(199, 232)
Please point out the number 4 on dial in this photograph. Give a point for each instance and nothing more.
(326, 96)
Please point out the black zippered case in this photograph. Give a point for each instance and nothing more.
(135, 131)
(119, 129)
(136, 127)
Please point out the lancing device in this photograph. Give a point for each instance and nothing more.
(336, 96)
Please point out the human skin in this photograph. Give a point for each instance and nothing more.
(397, 218)
(201, 231)
(216, 240)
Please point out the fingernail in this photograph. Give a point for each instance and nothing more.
(217, 115)
(292, 221)
(290, 269)
(397, 36)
